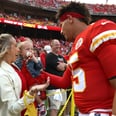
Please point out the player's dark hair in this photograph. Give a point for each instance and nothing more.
(75, 7)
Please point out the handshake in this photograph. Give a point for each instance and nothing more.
(34, 89)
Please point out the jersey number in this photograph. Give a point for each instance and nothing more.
(79, 80)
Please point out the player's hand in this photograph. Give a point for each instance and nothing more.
(34, 89)
(61, 66)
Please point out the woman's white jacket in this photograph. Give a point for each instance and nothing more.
(10, 89)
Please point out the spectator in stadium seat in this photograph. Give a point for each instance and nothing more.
(92, 61)
(46, 50)
(55, 64)
(36, 52)
(12, 81)
(31, 66)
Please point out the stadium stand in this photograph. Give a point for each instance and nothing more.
(103, 9)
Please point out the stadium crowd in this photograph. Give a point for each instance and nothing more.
(103, 9)
(41, 43)
(98, 9)
(26, 19)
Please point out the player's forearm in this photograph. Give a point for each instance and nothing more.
(60, 82)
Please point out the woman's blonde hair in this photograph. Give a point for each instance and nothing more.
(5, 44)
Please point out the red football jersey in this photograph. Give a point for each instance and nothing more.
(93, 62)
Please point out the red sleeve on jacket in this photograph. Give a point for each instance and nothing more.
(32, 80)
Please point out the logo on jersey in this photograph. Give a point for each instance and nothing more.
(79, 43)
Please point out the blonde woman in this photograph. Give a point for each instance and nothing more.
(12, 82)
